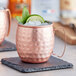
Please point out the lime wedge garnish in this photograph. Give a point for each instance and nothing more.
(25, 14)
(35, 17)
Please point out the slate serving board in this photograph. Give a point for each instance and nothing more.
(52, 64)
(7, 46)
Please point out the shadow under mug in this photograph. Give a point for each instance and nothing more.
(35, 43)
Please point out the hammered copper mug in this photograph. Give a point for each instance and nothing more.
(35, 43)
(5, 20)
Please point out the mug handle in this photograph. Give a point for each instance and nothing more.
(64, 44)
(9, 15)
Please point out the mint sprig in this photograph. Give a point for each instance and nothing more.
(25, 14)
(26, 17)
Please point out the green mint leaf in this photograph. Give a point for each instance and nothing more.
(25, 14)
(19, 19)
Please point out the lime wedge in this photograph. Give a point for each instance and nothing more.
(35, 17)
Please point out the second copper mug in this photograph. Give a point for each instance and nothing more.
(5, 20)
(35, 43)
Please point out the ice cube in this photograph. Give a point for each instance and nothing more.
(44, 24)
(33, 23)
(27, 24)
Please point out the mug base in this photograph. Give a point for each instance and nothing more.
(34, 60)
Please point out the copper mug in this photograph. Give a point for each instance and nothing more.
(35, 43)
(5, 21)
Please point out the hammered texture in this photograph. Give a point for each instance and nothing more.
(3, 25)
(35, 45)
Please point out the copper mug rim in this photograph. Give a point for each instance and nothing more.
(41, 26)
